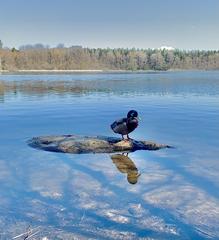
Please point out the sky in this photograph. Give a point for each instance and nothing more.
(183, 24)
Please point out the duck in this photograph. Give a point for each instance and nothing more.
(126, 125)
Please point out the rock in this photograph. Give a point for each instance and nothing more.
(95, 144)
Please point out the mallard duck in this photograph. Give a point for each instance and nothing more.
(126, 125)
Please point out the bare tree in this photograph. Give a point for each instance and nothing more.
(40, 56)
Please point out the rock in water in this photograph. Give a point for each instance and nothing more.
(92, 144)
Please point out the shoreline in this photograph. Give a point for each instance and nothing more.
(43, 71)
(99, 71)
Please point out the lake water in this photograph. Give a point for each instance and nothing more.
(89, 196)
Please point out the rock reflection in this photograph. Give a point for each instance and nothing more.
(125, 165)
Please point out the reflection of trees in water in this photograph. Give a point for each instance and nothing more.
(1, 98)
(60, 87)
(150, 84)
(135, 85)
(125, 165)
(41, 87)
(2, 92)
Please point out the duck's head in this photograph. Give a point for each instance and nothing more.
(132, 114)
(133, 176)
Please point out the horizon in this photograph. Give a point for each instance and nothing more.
(187, 25)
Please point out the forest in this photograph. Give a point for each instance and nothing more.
(40, 57)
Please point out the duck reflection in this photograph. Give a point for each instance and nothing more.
(125, 165)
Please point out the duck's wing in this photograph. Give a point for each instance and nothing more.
(120, 126)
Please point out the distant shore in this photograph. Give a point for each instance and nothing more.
(44, 70)
(97, 71)
(75, 71)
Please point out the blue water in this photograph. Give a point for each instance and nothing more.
(88, 196)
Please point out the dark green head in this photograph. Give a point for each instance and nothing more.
(132, 114)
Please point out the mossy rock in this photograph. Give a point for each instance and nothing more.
(91, 144)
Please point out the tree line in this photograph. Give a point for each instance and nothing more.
(39, 57)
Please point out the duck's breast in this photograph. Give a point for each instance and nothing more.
(132, 124)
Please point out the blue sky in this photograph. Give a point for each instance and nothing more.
(187, 24)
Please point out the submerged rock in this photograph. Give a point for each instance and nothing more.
(91, 144)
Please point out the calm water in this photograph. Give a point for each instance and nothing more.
(89, 196)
